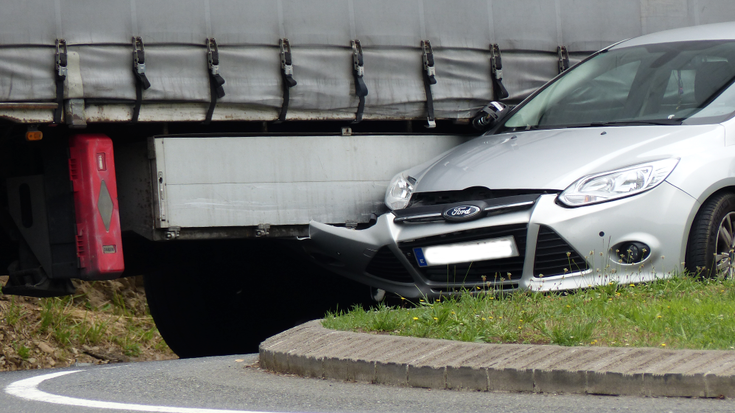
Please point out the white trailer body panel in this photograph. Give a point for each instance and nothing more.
(206, 182)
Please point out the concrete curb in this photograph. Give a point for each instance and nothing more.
(311, 350)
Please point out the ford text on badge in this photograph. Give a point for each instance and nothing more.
(462, 213)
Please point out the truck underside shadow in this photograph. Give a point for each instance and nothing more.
(225, 297)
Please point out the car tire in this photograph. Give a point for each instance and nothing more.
(712, 238)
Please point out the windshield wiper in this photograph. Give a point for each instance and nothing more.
(608, 123)
(620, 123)
(638, 122)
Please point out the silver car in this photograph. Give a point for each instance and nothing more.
(621, 169)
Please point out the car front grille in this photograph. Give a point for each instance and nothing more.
(554, 256)
(419, 199)
(386, 265)
(493, 271)
(494, 206)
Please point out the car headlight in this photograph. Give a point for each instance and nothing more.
(620, 183)
(399, 191)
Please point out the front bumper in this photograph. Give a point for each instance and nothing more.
(559, 248)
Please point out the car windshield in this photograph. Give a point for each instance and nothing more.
(671, 83)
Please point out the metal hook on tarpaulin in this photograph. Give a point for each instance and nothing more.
(563, 54)
(216, 81)
(496, 69)
(429, 79)
(141, 80)
(286, 75)
(358, 71)
(60, 73)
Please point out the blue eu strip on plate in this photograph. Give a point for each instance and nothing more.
(419, 254)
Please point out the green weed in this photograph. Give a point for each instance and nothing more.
(565, 335)
(92, 333)
(129, 346)
(23, 351)
(14, 313)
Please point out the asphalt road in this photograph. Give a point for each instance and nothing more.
(230, 383)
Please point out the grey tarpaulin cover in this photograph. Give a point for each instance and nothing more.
(98, 34)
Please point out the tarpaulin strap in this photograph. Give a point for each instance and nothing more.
(61, 71)
(358, 70)
(563, 58)
(496, 68)
(215, 79)
(141, 80)
(286, 75)
(429, 79)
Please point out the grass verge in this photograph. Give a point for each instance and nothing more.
(104, 322)
(680, 313)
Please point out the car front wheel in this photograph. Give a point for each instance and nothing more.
(711, 246)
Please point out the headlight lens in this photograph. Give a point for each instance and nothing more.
(606, 186)
(399, 191)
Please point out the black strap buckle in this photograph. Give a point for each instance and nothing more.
(429, 79)
(141, 80)
(61, 58)
(286, 61)
(60, 72)
(139, 62)
(563, 58)
(213, 65)
(358, 70)
(428, 59)
(286, 75)
(216, 81)
(496, 68)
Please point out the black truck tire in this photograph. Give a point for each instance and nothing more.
(197, 318)
(225, 297)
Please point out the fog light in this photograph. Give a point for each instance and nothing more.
(632, 252)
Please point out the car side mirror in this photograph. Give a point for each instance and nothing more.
(489, 115)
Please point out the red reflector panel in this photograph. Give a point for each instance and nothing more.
(92, 171)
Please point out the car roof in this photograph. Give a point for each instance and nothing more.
(717, 31)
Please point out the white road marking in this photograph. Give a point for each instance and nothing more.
(28, 389)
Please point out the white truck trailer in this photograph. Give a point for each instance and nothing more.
(139, 137)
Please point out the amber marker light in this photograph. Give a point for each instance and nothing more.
(34, 135)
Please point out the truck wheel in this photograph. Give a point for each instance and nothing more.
(195, 318)
(225, 297)
(204, 299)
(711, 246)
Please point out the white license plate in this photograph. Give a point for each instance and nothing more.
(483, 250)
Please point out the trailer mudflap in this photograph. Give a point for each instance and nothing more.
(98, 234)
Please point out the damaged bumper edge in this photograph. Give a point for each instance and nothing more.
(349, 252)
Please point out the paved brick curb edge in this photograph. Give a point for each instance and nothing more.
(310, 350)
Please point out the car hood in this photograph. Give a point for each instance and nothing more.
(554, 159)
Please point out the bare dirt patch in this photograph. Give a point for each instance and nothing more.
(104, 322)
